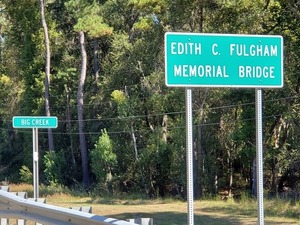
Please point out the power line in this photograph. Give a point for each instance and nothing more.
(133, 117)
(177, 112)
(171, 113)
(140, 130)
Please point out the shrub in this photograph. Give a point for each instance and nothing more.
(26, 175)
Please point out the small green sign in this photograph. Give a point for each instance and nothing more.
(35, 122)
(223, 60)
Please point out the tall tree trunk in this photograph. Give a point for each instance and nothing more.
(83, 149)
(165, 128)
(47, 72)
(199, 151)
(274, 180)
(1, 41)
(201, 20)
(199, 154)
(230, 172)
(199, 163)
(137, 158)
(69, 125)
(134, 144)
(254, 179)
(96, 56)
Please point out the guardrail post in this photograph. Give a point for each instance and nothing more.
(4, 188)
(141, 221)
(21, 195)
(4, 221)
(87, 209)
(21, 222)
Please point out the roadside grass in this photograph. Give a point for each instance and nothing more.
(168, 211)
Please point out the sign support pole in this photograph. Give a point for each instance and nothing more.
(35, 163)
(189, 154)
(35, 122)
(259, 156)
(199, 60)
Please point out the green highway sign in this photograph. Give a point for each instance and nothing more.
(223, 60)
(35, 122)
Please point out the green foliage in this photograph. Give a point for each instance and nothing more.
(135, 125)
(93, 25)
(55, 165)
(10, 96)
(103, 159)
(88, 18)
(26, 175)
(119, 97)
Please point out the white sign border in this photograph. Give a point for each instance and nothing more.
(225, 35)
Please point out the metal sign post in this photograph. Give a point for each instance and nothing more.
(223, 60)
(35, 122)
(259, 156)
(189, 154)
(35, 159)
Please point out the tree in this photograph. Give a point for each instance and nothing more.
(88, 21)
(47, 71)
(80, 91)
(100, 49)
(103, 160)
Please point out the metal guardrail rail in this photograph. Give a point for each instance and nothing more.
(14, 207)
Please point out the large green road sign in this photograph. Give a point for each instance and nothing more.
(34, 121)
(223, 60)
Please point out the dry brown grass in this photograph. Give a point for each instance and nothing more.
(20, 187)
(170, 212)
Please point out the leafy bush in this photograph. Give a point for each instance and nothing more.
(103, 159)
(54, 167)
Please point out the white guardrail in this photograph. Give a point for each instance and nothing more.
(14, 207)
